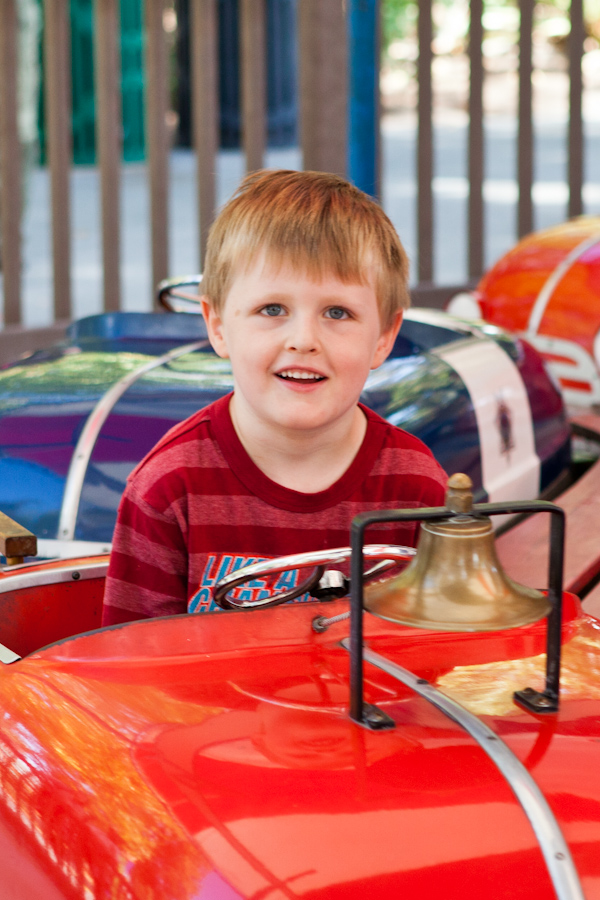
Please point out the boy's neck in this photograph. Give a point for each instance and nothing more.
(302, 461)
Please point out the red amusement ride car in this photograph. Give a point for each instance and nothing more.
(307, 750)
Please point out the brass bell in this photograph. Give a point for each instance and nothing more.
(455, 582)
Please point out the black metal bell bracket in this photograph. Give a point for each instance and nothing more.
(545, 701)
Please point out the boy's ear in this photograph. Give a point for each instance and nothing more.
(214, 328)
(386, 341)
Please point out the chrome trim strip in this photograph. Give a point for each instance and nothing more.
(464, 341)
(442, 319)
(547, 830)
(545, 295)
(55, 575)
(51, 549)
(91, 430)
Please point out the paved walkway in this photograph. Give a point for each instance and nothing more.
(399, 198)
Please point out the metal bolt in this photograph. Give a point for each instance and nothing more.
(422, 681)
(75, 576)
(318, 624)
(559, 855)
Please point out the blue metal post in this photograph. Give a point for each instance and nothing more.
(363, 94)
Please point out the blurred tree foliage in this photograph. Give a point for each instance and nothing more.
(399, 16)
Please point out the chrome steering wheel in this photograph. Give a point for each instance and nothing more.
(387, 556)
(178, 294)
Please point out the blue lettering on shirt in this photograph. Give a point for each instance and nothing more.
(256, 589)
(209, 575)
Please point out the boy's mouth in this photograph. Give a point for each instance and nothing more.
(300, 376)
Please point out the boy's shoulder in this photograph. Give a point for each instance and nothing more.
(392, 435)
(180, 444)
(403, 454)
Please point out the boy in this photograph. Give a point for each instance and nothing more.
(305, 283)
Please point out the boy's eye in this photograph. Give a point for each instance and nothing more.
(273, 309)
(337, 312)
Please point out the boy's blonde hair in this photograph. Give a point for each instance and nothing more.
(314, 221)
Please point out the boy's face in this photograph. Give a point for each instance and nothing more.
(300, 349)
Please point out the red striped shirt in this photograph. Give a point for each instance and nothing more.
(198, 507)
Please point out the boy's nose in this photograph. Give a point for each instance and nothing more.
(303, 337)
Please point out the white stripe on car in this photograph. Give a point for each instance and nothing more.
(510, 466)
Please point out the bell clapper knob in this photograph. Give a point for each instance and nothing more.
(459, 494)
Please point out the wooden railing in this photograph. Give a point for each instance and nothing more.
(323, 112)
(328, 109)
(525, 148)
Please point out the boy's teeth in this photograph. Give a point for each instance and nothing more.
(300, 376)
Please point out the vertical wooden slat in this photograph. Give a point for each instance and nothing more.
(108, 93)
(575, 116)
(157, 137)
(10, 165)
(425, 146)
(323, 84)
(205, 108)
(525, 124)
(57, 83)
(253, 81)
(476, 145)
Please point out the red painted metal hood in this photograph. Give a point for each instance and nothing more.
(213, 757)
